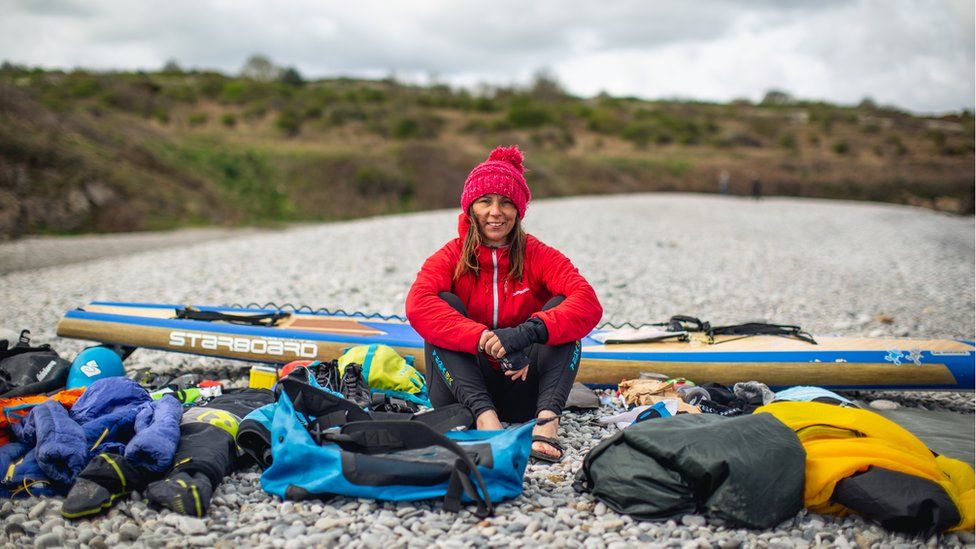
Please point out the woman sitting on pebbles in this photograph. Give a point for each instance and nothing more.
(502, 313)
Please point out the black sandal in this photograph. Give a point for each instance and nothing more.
(546, 457)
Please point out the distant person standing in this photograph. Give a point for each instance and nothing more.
(723, 182)
(756, 186)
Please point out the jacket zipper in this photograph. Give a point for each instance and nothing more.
(494, 288)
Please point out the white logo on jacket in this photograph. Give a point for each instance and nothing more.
(520, 292)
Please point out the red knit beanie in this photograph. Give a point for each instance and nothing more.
(500, 174)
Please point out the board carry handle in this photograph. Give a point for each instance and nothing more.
(267, 319)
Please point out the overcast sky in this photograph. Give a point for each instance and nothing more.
(911, 54)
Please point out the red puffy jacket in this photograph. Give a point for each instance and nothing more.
(494, 301)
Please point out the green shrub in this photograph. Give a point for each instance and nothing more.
(197, 119)
(341, 114)
(642, 132)
(739, 139)
(415, 127)
(787, 141)
(372, 180)
(228, 119)
(606, 121)
(81, 85)
(476, 126)
(233, 92)
(313, 112)
(212, 85)
(897, 146)
(289, 122)
(500, 125)
(526, 113)
(256, 111)
(365, 95)
(179, 93)
(553, 137)
(483, 104)
(291, 77)
(841, 147)
(162, 115)
(776, 98)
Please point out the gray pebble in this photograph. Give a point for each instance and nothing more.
(85, 533)
(47, 540)
(38, 509)
(50, 524)
(190, 526)
(729, 543)
(695, 521)
(129, 532)
(966, 537)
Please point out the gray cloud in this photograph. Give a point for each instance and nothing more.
(916, 55)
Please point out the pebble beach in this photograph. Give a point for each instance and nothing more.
(832, 267)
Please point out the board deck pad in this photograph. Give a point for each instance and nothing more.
(835, 362)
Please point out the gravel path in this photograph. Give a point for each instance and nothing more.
(34, 252)
(832, 267)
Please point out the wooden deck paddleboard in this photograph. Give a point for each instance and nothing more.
(835, 362)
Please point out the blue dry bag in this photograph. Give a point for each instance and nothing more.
(390, 459)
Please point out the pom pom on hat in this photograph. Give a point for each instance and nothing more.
(500, 174)
(512, 155)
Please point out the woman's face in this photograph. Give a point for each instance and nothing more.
(495, 215)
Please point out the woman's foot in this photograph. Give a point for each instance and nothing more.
(487, 421)
(545, 444)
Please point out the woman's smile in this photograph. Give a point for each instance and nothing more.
(496, 216)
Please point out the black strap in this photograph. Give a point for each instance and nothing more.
(320, 424)
(461, 482)
(685, 323)
(313, 402)
(446, 418)
(23, 346)
(678, 323)
(761, 328)
(267, 319)
(378, 437)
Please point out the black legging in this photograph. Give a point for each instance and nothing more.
(454, 376)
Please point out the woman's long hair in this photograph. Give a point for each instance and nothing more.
(468, 262)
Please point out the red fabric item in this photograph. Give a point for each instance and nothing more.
(547, 273)
(288, 368)
(500, 174)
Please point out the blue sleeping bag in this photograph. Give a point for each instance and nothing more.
(113, 415)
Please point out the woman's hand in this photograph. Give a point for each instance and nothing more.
(518, 375)
(491, 345)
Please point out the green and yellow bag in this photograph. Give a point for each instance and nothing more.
(387, 372)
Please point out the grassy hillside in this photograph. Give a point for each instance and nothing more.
(84, 151)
